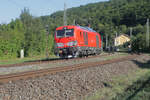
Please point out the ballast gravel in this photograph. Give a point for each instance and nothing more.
(72, 85)
(17, 69)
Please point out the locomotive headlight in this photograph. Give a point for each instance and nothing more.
(72, 43)
(60, 44)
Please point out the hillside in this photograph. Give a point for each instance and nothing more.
(114, 13)
(29, 33)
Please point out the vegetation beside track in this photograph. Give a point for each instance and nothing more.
(139, 90)
(36, 58)
(26, 59)
(133, 86)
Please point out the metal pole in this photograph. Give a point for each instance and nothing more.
(106, 41)
(147, 34)
(131, 32)
(102, 43)
(115, 39)
(74, 22)
(65, 17)
(115, 42)
(116, 34)
(47, 33)
(131, 38)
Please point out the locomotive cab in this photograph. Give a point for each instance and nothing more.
(65, 42)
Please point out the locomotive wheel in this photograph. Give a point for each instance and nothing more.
(98, 52)
(76, 55)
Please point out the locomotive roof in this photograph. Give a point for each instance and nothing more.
(86, 28)
(81, 27)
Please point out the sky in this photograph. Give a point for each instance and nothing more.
(11, 9)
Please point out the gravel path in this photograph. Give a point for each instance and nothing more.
(10, 70)
(72, 85)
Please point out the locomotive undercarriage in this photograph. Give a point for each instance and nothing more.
(68, 52)
(72, 52)
(86, 51)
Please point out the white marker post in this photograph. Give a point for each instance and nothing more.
(21, 53)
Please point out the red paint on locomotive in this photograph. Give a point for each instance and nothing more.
(76, 41)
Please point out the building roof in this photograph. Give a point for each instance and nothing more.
(124, 35)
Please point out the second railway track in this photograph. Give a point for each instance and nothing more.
(38, 73)
(49, 60)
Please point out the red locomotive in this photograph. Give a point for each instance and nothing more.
(74, 41)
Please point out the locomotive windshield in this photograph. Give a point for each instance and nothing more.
(60, 33)
(65, 33)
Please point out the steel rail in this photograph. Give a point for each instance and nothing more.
(38, 73)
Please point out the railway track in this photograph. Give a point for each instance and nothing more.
(52, 60)
(38, 73)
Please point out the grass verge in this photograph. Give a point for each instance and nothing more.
(26, 59)
(125, 86)
(36, 58)
(139, 90)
